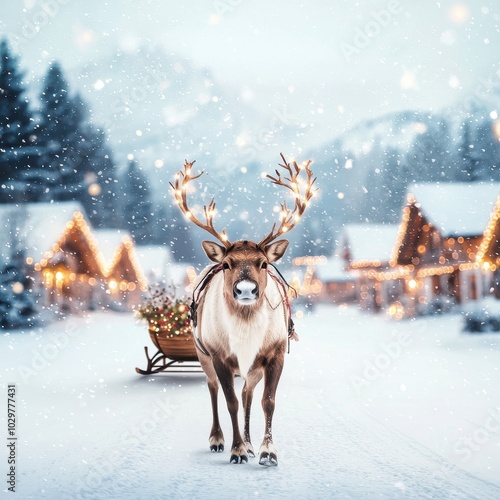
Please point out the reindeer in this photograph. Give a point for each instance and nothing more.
(241, 315)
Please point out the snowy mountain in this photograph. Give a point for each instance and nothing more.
(162, 109)
(157, 105)
(366, 171)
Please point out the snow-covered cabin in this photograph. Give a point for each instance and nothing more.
(155, 262)
(338, 284)
(365, 250)
(125, 279)
(159, 266)
(488, 255)
(60, 249)
(439, 237)
(305, 286)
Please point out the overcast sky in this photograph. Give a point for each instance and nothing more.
(335, 61)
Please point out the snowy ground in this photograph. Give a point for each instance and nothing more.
(367, 408)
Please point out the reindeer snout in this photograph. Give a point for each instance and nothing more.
(246, 292)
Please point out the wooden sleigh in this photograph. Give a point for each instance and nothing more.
(175, 354)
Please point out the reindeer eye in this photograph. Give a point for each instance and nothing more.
(225, 266)
(264, 265)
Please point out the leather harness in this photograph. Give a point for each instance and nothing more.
(203, 286)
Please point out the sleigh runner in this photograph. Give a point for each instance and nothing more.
(170, 331)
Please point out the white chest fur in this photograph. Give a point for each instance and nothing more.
(239, 337)
(246, 338)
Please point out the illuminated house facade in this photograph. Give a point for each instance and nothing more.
(125, 280)
(64, 258)
(446, 249)
(365, 250)
(338, 285)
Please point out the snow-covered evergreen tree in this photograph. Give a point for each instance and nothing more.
(135, 203)
(100, 197)
(18, 139)
(17, 304)
(469, 161)
(428, 157)
(61, 123)
(162, 224)
(487, 151)
(17, 307)
(77, 160)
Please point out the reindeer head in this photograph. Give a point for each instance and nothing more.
(245, 262)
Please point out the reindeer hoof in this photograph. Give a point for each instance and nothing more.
(249, 449)
(235, 459)
(216, 442)
(268, 459)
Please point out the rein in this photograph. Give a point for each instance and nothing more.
(203, 285)
(281, 281)
(193, 308)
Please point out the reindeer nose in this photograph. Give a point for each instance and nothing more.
(246, 291)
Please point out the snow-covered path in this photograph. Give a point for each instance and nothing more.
(367, 408)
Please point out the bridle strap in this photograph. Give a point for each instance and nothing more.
(193, 308)
(203, 284)
(281, 281)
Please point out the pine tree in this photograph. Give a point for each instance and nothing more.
(77, 160)
(18, 148)
(487, 151)
(17, 307)
(428, 157)
(17, 304)
(136, 205)
(163, 229)
(100, 196)
(468, 157)
(61, 123)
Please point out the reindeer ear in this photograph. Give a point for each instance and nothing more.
(214, 252)
(275, 251)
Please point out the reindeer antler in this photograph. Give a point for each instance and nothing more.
(183, 178)
(289, 218)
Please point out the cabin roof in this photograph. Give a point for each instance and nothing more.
(36, 226)
(333, 270)
(456, 209)
(156, 262)
(109, 241)
(367, 242)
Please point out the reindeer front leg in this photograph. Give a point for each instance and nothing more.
(216, 435)
(226, 378)
(216, 438)
(272, 374)
(252, 380)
